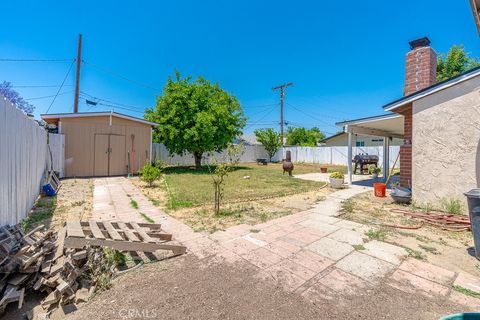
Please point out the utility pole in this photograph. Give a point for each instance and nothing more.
(77, 77)
(282, 96)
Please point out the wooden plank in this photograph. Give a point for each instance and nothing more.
(151, 226)
(97, 233)
(74, 229)
(127, 231)
(123, 245)
(60, 240)
(111, 231)
(142, 233)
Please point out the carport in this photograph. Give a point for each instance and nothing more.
(387, 126)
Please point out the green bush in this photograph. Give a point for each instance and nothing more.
(373, 169)
(337, 175)
(149, 174)
(453, 206)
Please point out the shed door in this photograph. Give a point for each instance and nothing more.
(118, 157)
(100, 166)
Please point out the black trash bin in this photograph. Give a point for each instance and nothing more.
(473, 197)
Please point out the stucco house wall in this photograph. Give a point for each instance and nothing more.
(446, 143)
(369, 141)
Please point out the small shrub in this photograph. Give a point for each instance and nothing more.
(348, 206)
(147, 218)
(337, 175)
(358, 247)
(429, 249)
(373, 169)
(155, 202)
(264, 217)
(415, 254)
(376, 234)
(453, 206)
(134, 204)
(149, 174)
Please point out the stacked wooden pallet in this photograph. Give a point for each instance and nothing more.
(56, 262)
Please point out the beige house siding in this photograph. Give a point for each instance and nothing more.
(446, 143)
(80, 144)
(369, 141)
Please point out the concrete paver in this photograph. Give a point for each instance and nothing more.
(330, 248)
(428, 271)
(343, 282)
(468, 281)
(385, 251)
(365, 266)
(411, 283)
(311, 260)
(320, 226)
(347, 236)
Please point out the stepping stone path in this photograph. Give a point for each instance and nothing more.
(313, 253)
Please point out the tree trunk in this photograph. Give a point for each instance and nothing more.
(198, 160)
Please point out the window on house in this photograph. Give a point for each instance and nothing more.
(360, 144)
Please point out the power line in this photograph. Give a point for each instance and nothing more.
(82, 93)
(311, 116)
(261, 106)
(41, 86)
(112, 106)
(50, 96)
(33, 60)
(115, 74)
(61, 86)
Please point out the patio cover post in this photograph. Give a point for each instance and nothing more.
(386, 157)
(349, 156)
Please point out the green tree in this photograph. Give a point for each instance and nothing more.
(222, 170)
(195, 116)
(271, 140)
(454, 62)
(304, 137)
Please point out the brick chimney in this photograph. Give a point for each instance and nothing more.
(420, 66)
(420, 73)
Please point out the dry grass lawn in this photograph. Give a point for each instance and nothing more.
(252, 194)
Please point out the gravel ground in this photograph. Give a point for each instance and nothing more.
(186, 288)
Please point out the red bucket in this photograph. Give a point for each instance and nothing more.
(380, 189)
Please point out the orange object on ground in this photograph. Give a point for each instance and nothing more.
(380, 189)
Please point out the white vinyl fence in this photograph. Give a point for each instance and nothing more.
(23, 161)
(323, 155)
(336, 155)
(56, 144)
(160, 152)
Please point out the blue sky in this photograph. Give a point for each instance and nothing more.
(346, 58)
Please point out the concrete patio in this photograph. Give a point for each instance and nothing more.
(313, 253)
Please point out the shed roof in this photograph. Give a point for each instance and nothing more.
(51, 118)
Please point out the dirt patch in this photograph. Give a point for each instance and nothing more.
(74, 201)
(450, 250)
(186, 288)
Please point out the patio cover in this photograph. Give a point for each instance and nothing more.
(386, 126)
